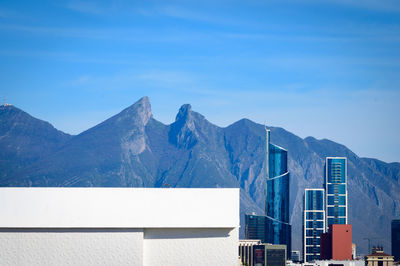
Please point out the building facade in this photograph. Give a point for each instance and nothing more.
(276, 229)
(379, 258)
(313, 223)
(246, 253)
(335, 183)
(275, 255)
(336, 244)
(354, 251)
(255, 227)
(396, 239)
(119, 226)
(295, 256)
(277, 202)
(255, 253)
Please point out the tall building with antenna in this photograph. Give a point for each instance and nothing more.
(273, 227)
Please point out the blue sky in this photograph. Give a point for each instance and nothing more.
(329, 69)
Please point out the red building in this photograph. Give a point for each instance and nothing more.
(336, 244)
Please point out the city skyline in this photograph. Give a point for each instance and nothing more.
(323, 207)
(296, 65)
(96, 158)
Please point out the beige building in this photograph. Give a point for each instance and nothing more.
(255, 253)
(246, 251)
(353, 251)
(379, 258)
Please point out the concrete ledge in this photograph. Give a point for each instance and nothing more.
(119, 208)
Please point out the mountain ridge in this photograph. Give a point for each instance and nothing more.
(132, 148)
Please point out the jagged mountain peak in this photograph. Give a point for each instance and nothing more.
(187, 115)
(190, 127)
(135, 116)
(183, 131)
(184, 112)
(140, 110)
(124, 131)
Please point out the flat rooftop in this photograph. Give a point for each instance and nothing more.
(33, 207)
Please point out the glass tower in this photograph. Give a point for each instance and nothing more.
(396, 239)
(255, 227)
(276, 226)
(336, 190)
(313, 222)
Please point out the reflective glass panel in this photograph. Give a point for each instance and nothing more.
(315, 215)
(312, 241)
(336, 221)
(315, 224)
(314, 200)
(336, 211)
(339, 200)
(336, 189)
(312, 232)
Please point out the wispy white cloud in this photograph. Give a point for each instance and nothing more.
(310, 61)
(38, 53)
(58, 31)
(191, 14)
(186, 14)
(86, 7)
(116, 34)
(375, 5)
(6, 13)
(150, 78)
(156, 10)
(99, 8)
(66, 56)
(377, 34)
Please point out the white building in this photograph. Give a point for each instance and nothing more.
(333, 262)
(118, 226)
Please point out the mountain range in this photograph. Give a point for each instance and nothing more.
(133, 149)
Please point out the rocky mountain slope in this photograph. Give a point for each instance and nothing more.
(134, 149)
(24, 140)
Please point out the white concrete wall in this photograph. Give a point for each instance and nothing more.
(344, 262)
(119, 207)
(66, 247)
(196, 247)
(118, 226)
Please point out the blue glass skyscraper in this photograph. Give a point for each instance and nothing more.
(396, 239)
(336, 190)
(255, 227)
(277, 228)
(313, 222)
(277, 193)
